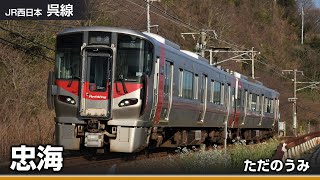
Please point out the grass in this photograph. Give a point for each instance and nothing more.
(203, 162)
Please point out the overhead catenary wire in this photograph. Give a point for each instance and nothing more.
(168, 18)
(178, 21)
(18, 34)
(52, 24)
(12, 44)
(33, 28)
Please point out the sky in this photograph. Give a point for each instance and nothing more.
(317, 3)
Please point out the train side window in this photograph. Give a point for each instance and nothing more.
(168, 67)
(226, 92)
(269, 106)
(272, 105)
(258, 103)
(249, 101)
(196, 86)
(233, 96)
(203, 87)
(211, 91)
(187, 85)
(222, 94)
(245, 99)
(180, 81)
(265, 105)
(239, 98)
(254, 102)
(217, 93)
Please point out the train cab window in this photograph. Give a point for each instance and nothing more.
(217, 93)
(68, 58)
(180, 82)
(254, 102)
(134, 58)
(187, 85)
(196, 86)
(98, 73)
(211, 91)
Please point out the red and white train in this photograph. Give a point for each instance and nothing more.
(123, 90)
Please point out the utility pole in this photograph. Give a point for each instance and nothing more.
(302, 24)
(203, 43)
(148, 15)
(252, 63)
(294, 99)
(294, 107)
(201, 46)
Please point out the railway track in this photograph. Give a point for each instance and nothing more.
(102, 162)
(89, 163)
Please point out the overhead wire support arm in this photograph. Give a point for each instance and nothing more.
(295, 90)
(240, 55)
(148, 15)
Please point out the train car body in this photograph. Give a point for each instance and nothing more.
(123, 90)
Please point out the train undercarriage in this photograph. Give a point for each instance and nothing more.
(98, 135)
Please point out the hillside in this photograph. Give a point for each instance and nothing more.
(271, 27)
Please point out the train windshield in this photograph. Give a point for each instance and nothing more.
(134, 58)
(68, 57)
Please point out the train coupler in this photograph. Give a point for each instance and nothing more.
(94, 139)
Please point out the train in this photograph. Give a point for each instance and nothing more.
(119, 90)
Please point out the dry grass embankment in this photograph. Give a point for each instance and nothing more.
(24, 116)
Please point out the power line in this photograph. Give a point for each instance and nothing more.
(15, 33)
(175, 18)
(52, 24)
(33, 28)
(12, 44)
(184, 25)
(190, 27)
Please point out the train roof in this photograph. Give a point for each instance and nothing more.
(101, 28)
(156, 40)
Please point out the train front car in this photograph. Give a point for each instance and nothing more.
(99, 90)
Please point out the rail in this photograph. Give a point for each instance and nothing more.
(294, 147)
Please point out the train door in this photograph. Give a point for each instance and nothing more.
(203, 98)
(168, 89)
(95, 83)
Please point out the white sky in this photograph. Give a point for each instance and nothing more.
(317, 3)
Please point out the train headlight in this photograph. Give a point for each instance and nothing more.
(67, 99)
(128, 102)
